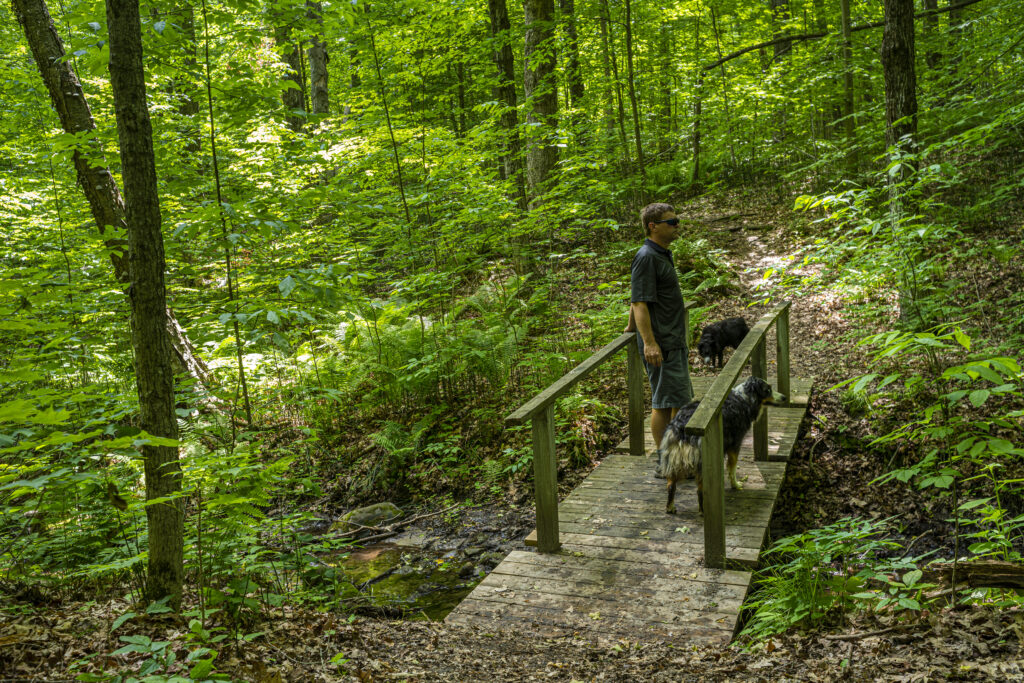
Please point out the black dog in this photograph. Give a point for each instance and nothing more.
(716, 337)
(682, 452)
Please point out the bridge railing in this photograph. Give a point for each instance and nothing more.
(540, 412)
(706, 422)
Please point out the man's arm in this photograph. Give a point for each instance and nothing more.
(640, 317)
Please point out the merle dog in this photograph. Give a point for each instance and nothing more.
(716, 337)
(683, 451)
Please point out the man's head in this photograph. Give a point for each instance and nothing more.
(660, 223)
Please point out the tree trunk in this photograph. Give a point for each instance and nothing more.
(96, 181)
(572, 62)
(154, 377)
(609, 96)
(780, 15)
(541, 93)
(900, 133)
(618, 87)
(293, 97)
(898, 71)
(632, 98)
(511, 158)
(931, 29)
(697, 102)
(725, 88)
(354, 82)
(847, 73)
(318, 60)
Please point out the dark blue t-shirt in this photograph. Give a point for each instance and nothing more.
(655, 282)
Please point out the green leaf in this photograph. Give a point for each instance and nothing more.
(909, 603)
(979, 397)
(287, 286)
(911, 578)
(202, 669)
(121, 619)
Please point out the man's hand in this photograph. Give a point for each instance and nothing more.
(652, 354)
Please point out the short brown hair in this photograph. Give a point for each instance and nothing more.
(651, 213)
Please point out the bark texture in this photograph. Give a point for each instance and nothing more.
(898, 71)
(505, 92)
(293, 97)
(320, 101)
(154, 375)
(574, 76)
(541, 93)
(96, 181)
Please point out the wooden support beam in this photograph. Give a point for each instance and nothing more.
(545, 480)
(759, 368)
(782, 355)
(637, 410)
(714, 495)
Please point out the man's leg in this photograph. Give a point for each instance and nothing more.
(660, 417)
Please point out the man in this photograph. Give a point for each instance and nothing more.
(656, 314)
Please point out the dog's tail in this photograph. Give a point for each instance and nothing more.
(682, 460)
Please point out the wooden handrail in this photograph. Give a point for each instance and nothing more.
(566, 381)
(540, 411)
(706, 421)
(711, 402)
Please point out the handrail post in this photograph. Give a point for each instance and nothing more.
(635, 382)
(782, 353)
(545, 480)
(759, 368)
(714, 494)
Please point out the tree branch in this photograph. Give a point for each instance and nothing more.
(815, 36)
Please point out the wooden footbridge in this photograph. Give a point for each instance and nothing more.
(610, 563)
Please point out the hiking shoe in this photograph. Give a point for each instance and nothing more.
(658, 474)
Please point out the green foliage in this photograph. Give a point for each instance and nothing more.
(965, 428)
(824, 572)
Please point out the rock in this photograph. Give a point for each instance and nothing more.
(412, 539)
(472, 551)
(371, 515)
(491, 558)
(467, 570)
(481, 538)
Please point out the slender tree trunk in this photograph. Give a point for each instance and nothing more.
(391, 130)
(698, 98)
(229, 273)
(318, 60)
(725, 88)
(512, 160)
(618, 88)
(780, 15)
(460, 94)
(541, 92)
(96, 181)
(293, 97)
(931, 29)
(154, 376)
(572, 62)
(665, 69)
(848, 122)
(609, 96)
(632, 97)
(901, 130)
(898, 71)
(353, 83)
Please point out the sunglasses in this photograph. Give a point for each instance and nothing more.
(670, 221)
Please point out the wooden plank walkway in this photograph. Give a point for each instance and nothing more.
(626, 569)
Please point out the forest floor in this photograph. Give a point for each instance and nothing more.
(829, 478)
